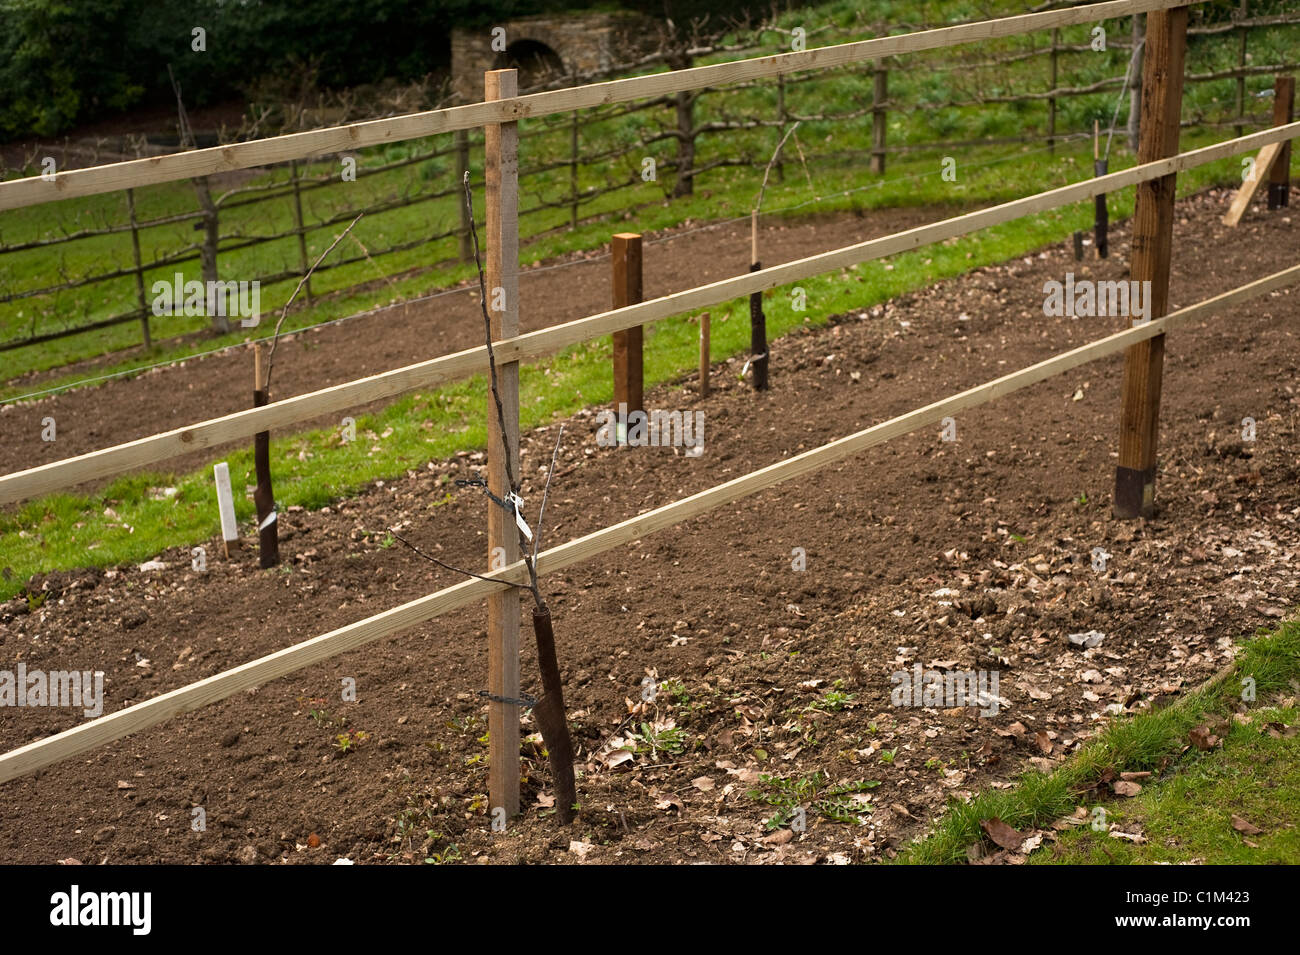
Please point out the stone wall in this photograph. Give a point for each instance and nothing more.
(584, 43)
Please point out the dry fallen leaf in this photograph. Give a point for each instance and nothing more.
(703, 783)
(1126, 788)
(1001, 833)
(1244, 827)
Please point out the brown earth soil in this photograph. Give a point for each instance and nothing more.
(973, 555)
(177, 395)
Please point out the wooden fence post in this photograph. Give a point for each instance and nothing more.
(1241, 65)
(208, 249)
(1051, 100)
(879, 118)
(1279, 182)
(1153, 227)
(501, 145)
(781, 118)
(461, 141)
(268, 531)
(625, 249)
(139, 270)
(1136, 35)
(705, 354)
(297, 218)
(573, 171)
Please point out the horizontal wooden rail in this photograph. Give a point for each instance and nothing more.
(80, 739)
(314, 143)
(107, 462)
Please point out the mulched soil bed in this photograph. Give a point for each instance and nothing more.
(967, 555)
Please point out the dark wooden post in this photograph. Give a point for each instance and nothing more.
(625, 249)
(139, 269)
(268, 536)
(1153, 227)
(208, 249)
(1279, 181)
(297, 218)
(1135, 89)
(573, 171)
(705, 354)
(1241, 66)
(879, 118)
(501, 149)
(461, 140)
(1051, 100)
(781, 117)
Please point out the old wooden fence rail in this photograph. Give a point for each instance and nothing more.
(129, 303)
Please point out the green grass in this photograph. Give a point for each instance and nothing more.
(65, 531)
(1188, 816)
(835, 151)
(1152, 741)
(311, 469)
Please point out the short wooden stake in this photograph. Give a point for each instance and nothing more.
(879, 118)
(704, 355)
(226, 508)
(501, 144)
(268, 531)
(1153, 230)
(1279, 182)
(629, 379)
(1101, 215)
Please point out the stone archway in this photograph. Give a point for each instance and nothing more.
(543, 48)
(536, 62)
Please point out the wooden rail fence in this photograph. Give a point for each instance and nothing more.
(1155, 178)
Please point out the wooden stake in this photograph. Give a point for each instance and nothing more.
(757, 320)
(268, 532)
(625, 249)
(1051, 85)
(461, 140)
(139, 269)
(501, 143)
(1279, 183)
(87, 736)
(1153, 229)
(879, 118)
(704, 355)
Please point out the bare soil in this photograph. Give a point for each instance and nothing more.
(967, 555)
(176, 395)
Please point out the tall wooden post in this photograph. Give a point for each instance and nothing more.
(1136, 36)
(1279, 180)
(879, 118)
(1241, 67)
(573, 171)
(1051, 100)
(139, 269)
(298, 225)
(625, 249)
(1153, 227)
(705, 354)
(268, 531)
(782, 117)
(501, 143)
(460, 139)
